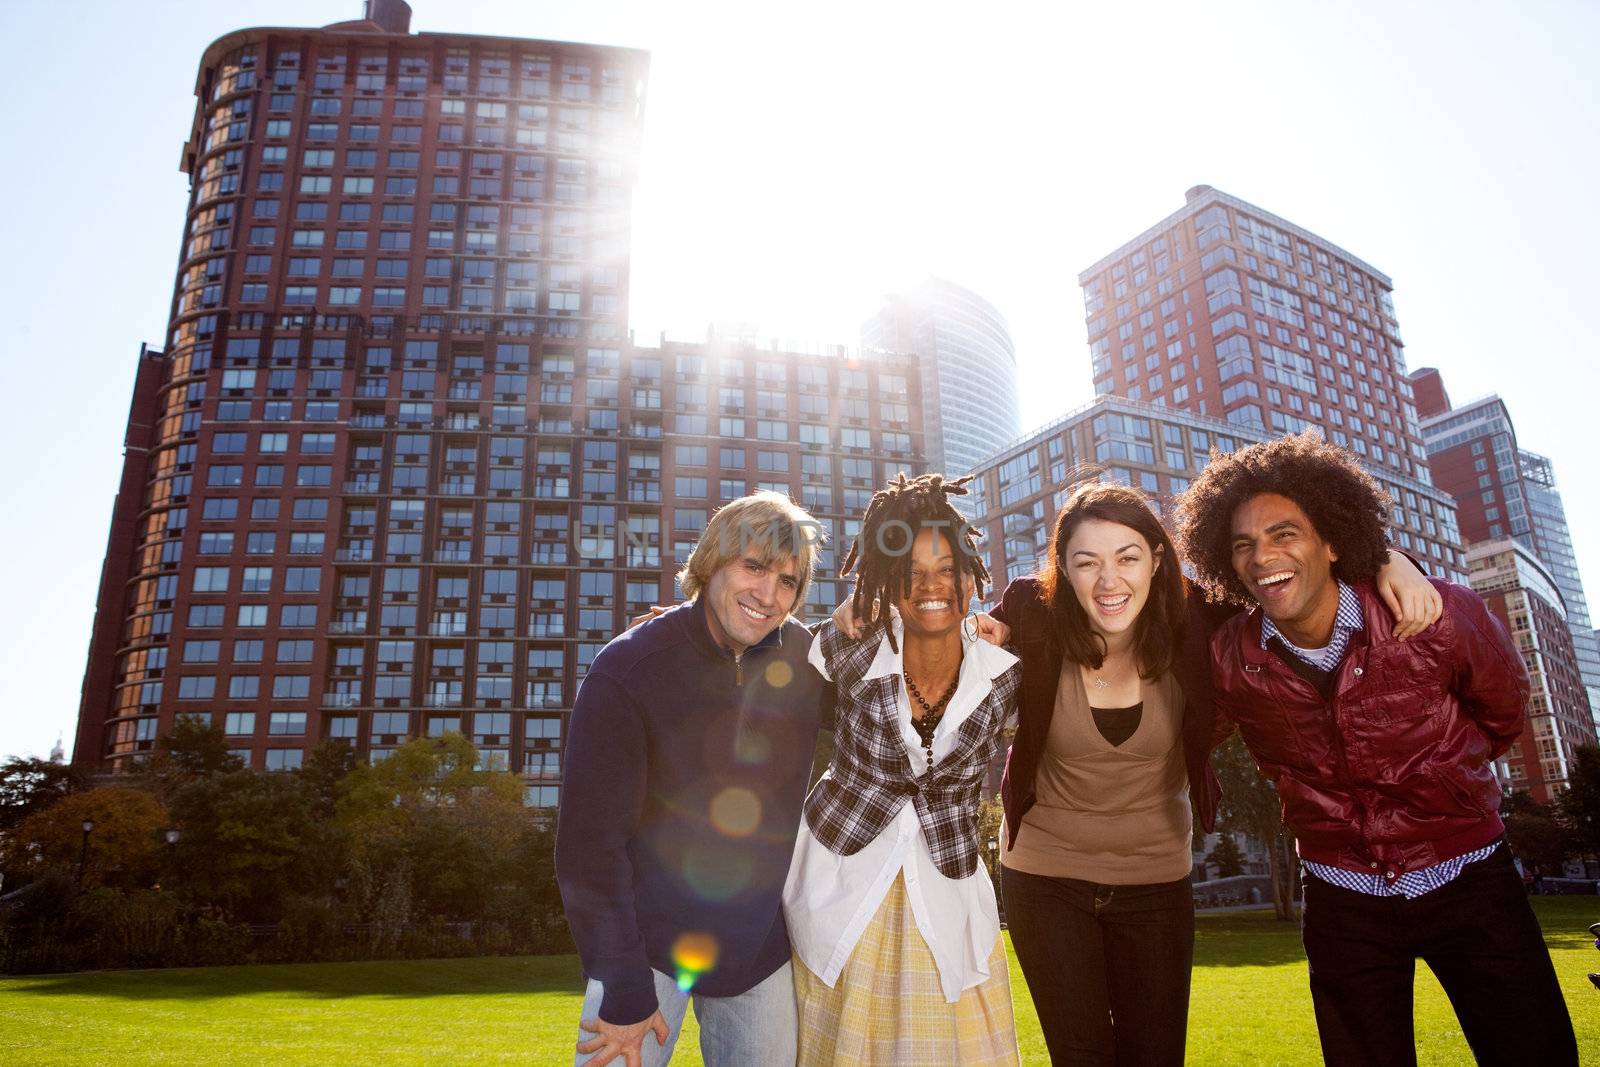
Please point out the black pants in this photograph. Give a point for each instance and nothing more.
(1480, 937)
(1107, 965)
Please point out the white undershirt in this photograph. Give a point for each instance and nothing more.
(829, 899)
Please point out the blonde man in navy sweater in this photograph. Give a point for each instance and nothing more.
(690, 749)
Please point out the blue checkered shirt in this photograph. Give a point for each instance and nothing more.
(1376, 883)
(1345, 623)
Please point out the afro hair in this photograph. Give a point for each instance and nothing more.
(1347, 507)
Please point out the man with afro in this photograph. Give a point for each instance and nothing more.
(1380, 747)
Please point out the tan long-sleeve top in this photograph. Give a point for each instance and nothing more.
(1110, 814)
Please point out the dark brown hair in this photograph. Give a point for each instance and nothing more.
(908, 504)
(1344, 504)
(1158, 630)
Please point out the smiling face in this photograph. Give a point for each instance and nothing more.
(938, 590)
(748, 599)
(1287, 567)
(1110, 567)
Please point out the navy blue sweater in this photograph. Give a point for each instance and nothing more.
(682, 793)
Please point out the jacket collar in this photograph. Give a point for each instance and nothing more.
(1347, 617)
(1376, 625)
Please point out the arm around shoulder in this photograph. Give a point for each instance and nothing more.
(1018, 603)
(1224, 661)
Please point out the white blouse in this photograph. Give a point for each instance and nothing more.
(830, 899)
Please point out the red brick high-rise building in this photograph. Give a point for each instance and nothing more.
(1226, 310)
(398, 469)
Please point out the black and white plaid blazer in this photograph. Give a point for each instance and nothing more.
(872, 775)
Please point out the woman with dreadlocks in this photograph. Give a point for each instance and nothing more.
(893, 919)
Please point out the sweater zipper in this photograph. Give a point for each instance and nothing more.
(738, 669)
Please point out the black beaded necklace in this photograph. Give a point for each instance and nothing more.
(931, 713)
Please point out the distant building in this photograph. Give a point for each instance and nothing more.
(398, 470)
(969, 369)
(1503, 490)
(1226, 310)
(1159, 450)
(1521, 592)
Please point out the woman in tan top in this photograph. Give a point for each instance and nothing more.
(1107, 773)
(1095, 873)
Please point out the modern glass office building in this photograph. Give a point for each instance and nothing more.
(969, 369)
(1504, 491)
(1157, 449)
(1522, 593)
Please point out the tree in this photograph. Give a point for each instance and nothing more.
(248, 841)
(1535, 835)
(1226, 857)
(190, 750)
(1250, 805)
(1579, 806)
(30, 785)
(124, 848)
(429, 828)
(325, 773)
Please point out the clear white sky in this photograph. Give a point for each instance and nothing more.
(800, 160)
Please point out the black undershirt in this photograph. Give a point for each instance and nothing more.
(1320, 679)
(1116, 725)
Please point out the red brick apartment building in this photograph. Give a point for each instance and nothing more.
(398, 468)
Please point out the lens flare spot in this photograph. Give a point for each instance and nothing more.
(736, 812)
(717, 874)
(752, 748)
(779, 674)
(693, 954)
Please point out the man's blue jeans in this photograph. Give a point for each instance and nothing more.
(757, 1028)
(1482, 941)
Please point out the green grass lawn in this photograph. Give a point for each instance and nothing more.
(1250, 1005)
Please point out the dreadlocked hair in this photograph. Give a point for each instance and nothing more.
(881, 554)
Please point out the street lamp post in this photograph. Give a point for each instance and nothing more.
(83, 854)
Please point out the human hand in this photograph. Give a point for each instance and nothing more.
(1410, 597)
(844, 617)
(626, 1041)
(655, 609)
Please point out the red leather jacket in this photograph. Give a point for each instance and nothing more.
(1392, 772)
(1022, 608)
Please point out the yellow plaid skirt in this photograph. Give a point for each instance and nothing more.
(888, 1008)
